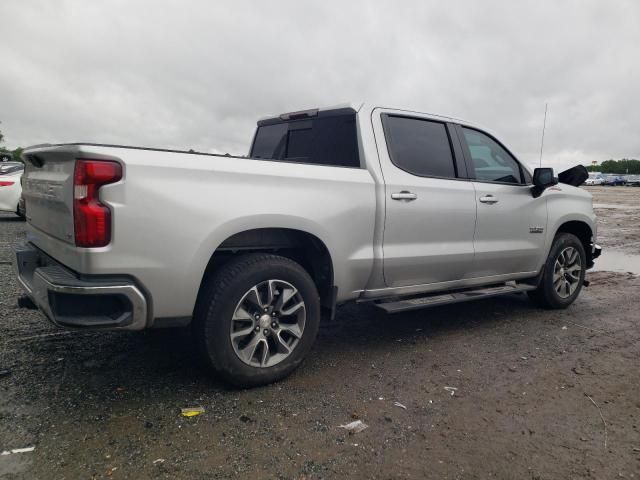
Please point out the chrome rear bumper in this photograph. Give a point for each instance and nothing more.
(70, 300)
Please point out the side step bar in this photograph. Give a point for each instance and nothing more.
(404, 305)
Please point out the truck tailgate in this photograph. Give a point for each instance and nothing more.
(48, 190)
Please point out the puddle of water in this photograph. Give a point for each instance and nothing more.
(616, 206)
(617, 261)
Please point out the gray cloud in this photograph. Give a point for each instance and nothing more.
(197, 74)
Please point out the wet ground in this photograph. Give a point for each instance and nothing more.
(492, 389)
(618, 210)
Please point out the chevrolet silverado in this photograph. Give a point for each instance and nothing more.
(351, 203)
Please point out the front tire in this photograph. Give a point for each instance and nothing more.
(256, 319)
(563, 274)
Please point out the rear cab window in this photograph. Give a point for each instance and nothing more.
(327, 138)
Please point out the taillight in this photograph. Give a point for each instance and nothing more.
(6, 183)
(92, 219)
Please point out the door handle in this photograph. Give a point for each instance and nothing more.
(490, 199)
(404, 195)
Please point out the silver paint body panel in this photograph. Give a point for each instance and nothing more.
(172, 210)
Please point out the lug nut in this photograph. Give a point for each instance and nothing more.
(257, 329)
(266, 309)
(274, 325)
(266, 332)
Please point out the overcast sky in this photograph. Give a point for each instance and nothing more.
(197, 74)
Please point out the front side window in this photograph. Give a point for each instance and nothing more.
(420, 147)
(491, 162)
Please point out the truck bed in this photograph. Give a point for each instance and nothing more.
(172, 209)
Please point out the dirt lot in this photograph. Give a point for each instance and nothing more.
(538, 394)
(618, 210)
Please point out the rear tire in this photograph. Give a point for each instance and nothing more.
(256, 319)
(563, 275)
(20, 211)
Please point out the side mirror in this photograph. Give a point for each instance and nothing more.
(543, 178)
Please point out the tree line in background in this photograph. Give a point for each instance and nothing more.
(625, 166)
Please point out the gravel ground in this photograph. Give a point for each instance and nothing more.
(618, 210)
(536, 394)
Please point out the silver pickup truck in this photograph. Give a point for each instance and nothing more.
(350, 203)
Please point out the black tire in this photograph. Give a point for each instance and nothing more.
(218, 301)
(20, 211)
(546, 294)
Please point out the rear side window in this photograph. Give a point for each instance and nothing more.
(323, 140)
(420, 147)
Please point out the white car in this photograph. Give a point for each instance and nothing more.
(10, 187)
(594, 181)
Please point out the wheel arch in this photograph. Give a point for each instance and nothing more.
(300, 246)
(583, 231)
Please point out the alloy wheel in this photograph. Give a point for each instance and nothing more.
(268, 323)
(567, 270)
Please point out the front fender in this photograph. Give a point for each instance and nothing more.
(569, 204)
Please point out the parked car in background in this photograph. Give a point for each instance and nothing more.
(10, 187)
(596, 180)
(613, 180)
(633, 181)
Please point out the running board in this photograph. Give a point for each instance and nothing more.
(397, 306)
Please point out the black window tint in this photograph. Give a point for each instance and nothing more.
(490, 161)
(323, 140)
(270, 141)
(300, 141)
(420, 147)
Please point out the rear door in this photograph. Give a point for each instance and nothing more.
(430, 205)
(509, 235)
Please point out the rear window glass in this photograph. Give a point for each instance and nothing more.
(322, 140)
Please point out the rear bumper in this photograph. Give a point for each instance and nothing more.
(71, 301)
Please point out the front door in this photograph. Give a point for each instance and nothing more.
(511, 224)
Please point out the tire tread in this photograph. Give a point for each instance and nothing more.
(212, 298)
